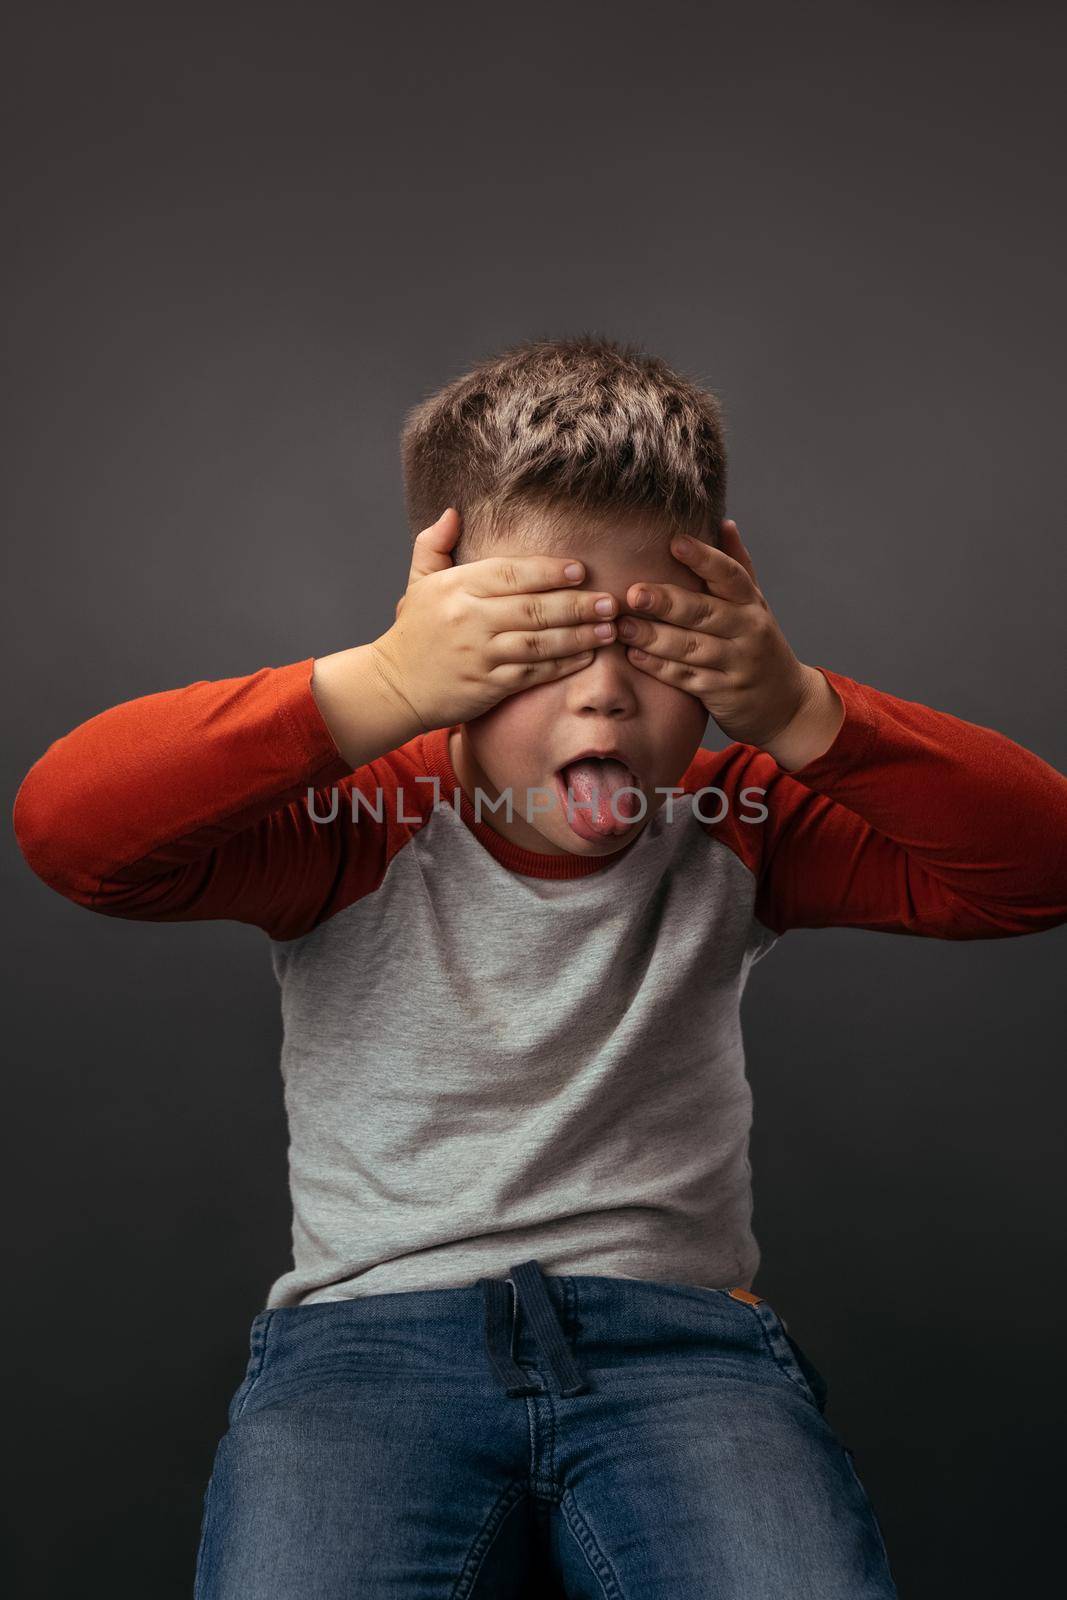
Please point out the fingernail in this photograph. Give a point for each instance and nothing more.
(604, 630)
(572, 570)
(643, 598)
(627, 629)
(604, 608)
(683, 546)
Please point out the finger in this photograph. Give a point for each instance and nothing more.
(554, 608)
(723, 575)
(515, 675)
(429, 553)
(547, 643)
(497, 575)
(730, 544)
(696, 680)
(685, 608)
(669, 643)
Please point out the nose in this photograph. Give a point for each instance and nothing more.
(606, 686)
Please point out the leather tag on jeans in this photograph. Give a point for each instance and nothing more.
(746, 1295)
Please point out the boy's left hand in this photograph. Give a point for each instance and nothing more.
(724, 647)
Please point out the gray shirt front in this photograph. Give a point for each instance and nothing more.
(483, 1067)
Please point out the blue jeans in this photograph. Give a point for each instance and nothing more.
(535, 1436)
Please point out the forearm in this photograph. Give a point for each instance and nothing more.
(366, 716)
(915, 820)
(149, 789)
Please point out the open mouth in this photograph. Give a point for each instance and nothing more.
(592, 797)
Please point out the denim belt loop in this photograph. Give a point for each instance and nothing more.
(511, 1377)
(532, 1294)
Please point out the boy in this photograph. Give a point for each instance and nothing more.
(513, 906)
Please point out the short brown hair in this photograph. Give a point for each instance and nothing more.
(551, 428)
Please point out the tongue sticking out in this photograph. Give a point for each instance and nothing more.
(592, 784)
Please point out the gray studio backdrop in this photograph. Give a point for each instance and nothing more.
(243, 244)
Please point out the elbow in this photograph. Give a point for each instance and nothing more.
(52, 835)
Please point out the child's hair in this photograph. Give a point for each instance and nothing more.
(553, 428)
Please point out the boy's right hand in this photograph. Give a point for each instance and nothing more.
(466, 637)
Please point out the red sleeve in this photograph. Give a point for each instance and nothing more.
(193, 804)
(913, 821)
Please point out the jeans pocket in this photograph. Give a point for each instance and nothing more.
(257, 1349)
(814, 1378)
(793, 1360)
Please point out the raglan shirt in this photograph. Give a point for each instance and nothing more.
(492, 1054)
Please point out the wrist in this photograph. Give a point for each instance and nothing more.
(363, 708)
(812, 728)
